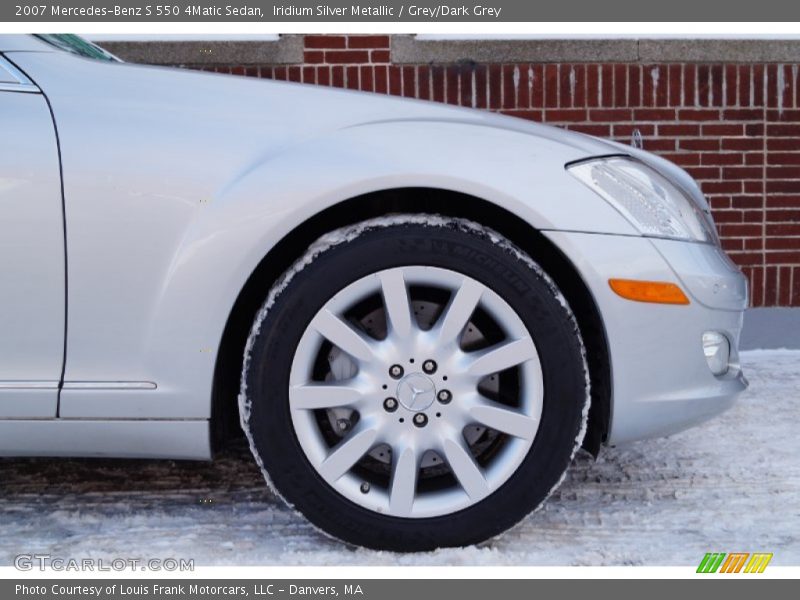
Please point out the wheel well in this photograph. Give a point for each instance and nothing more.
(225, 412)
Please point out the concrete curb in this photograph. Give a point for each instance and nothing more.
(771, 328)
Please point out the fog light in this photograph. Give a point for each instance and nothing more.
(717, 349)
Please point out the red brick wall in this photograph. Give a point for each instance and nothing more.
(734, 127)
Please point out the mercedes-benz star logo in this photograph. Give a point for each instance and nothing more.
(416, 391)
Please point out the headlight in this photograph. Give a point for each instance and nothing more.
(649, 201)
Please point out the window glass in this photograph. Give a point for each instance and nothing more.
(77, 45)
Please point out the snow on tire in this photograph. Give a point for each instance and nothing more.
(414, 382)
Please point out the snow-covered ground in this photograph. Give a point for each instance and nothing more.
(730, 485)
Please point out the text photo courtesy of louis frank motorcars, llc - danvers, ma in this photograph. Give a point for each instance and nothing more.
(436, 295)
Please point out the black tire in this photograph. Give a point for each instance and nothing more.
(398, 241)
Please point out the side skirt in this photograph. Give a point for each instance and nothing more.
(176, 439)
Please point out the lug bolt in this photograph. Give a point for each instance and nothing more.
(420, 420)
(429, 367)
(365, 488)
(444, 396)
(343, 424)
(390, 405)
(396, 371)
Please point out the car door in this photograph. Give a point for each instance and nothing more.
(32, 267)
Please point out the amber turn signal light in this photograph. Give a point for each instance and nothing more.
(659, 292)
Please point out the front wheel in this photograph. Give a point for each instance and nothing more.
(414, 382)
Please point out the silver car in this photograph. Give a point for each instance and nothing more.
(416, 314)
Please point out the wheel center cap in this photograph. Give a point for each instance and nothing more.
(416, 392)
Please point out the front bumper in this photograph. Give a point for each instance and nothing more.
(661, 382)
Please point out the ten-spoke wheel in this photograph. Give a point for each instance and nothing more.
(420, 332)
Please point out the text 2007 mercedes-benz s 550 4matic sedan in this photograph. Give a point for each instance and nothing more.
(417, 314)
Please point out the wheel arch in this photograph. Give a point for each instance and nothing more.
(227, 372)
